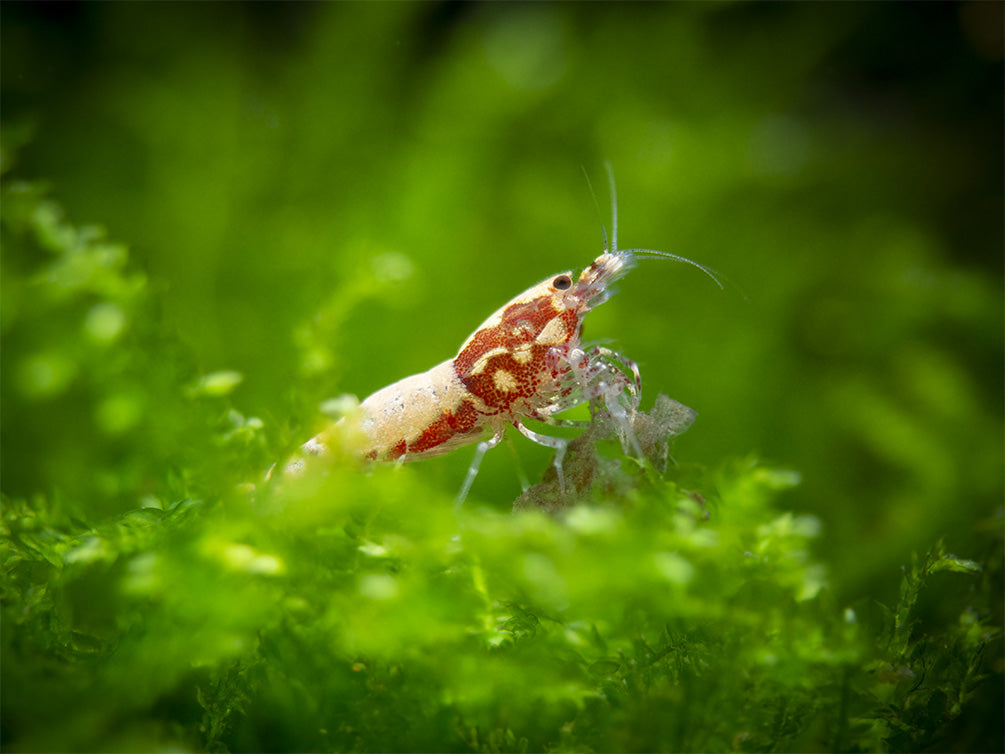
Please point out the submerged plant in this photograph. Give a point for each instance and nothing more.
(151, 600)
(585, 468)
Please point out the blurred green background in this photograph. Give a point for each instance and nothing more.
(327, 197)
(841, 164)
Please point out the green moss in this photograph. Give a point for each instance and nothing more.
(359, 611)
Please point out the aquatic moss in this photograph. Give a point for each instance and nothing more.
(353, 611)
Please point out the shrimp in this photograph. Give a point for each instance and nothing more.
(526, 361)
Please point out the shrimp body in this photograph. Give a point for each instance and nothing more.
(524, 361)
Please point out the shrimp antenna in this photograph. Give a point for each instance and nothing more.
(676, 258)
(596, 205)
(614, 207)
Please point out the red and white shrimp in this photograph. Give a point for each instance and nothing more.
(526, 361)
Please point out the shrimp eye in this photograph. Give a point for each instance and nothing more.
(562, 282)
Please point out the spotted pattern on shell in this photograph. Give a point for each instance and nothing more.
(513, 346)
(450, 423)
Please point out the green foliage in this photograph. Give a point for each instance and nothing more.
(318, 199)
(344, 611)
